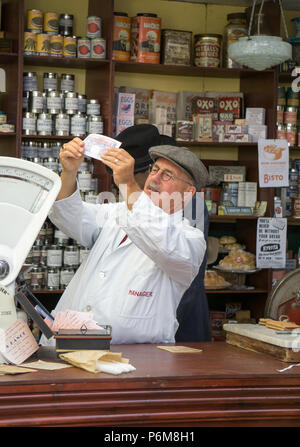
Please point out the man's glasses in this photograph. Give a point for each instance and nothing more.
(166, 175)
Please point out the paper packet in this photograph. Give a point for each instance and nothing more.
(95, 145)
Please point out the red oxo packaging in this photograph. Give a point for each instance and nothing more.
(230, 104)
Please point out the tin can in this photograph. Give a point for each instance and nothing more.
(293, 177)
(51, 21)
(145, 38)
(35, 254)
(290, 115)
(43, 257)
(30, 81)
(35, 20)
(66, 275)
(78, 125)
(71, 256)
(37, 278)
(280, 111)
(62, 124)
(93, 26)
(60, 238)
(53, 278)
(83, 254)
(208, 50)
(281, 132)
(44, 124)
(35, 102)
(281, 101)
(29, 43)
(25, 101)
(291, 131)
(29, 123)
(95, 124)
(82, 101)
(45, 151)
(67, 82)
(50, 81)
(93, 107)
(71, 103)
(98, 48)
(43, 44)
(51, 163)
(292, 98)
(54, 256)
(83, 47)
(56, 45)
(84, 180)
(69, 46)
(65, 25)
(121, 36)
(53, 102)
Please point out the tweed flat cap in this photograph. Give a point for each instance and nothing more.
(184, 159)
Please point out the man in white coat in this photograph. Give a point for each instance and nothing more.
(144, 254)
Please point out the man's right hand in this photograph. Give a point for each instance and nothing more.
(72, 155)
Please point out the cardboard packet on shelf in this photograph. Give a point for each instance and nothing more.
(95, 145)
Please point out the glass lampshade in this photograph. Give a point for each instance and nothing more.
(260, 52)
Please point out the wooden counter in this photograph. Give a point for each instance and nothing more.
(221, 386)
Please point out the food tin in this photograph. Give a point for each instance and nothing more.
(82, 101)
(292, 97)
(98, 48)
(29, 123)
(78, 124)
(67, 82)
(60, 238)
(29, 43)
(71, 256)
(50, 81)
(52, 278)
(56, 45)
(291, 132)
(145, 38)
(176, 47)
(30, 81)
(121, 36)
(207, 50)
(54, 256)
(84, 180)
(37, 278)
(83, 254)
(43, 44)
(53, 102)
(293, 177)
(66, 274)
(69, 46)
(95, 124)
(35, 102)
(281, 96)
(93, 107)
(51, 20)
(83, 47)
(65, 24)
(51, 163)
(280, 111)
(35, 20)
(62, 124)
(45, 151)
(290, 115)
(71, 103)
(281, 132)
(44, 124)
(93, 26)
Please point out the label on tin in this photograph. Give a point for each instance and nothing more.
(29, 43)
(95, 145)
(62, 124)
(44, 125)
(53, 280)
(93, 26)
(93, 109)
(95, 127)
(84, 181)
(121, 38)
(83, 48)
(50, 83)
(78, 125)
(65, 277)
(51, 20)
(71, 103)
(67, 84)
(145, 39)
(54, 102)
(29, 123)
(71, 258)
(98, 48)
(207, 53)
(54, 258)
(30, 83)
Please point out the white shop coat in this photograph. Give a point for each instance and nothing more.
(135, 287)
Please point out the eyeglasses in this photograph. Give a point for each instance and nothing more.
(166, 176)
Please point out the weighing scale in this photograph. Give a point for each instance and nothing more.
(27, 192)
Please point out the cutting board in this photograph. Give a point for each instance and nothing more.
(258, 338)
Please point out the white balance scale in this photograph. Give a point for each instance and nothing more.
(27, 192)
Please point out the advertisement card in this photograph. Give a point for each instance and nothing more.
(271, 243)
(273, 163)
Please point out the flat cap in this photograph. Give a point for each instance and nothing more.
(184, 159)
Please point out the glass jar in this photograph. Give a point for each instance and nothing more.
(236, 28)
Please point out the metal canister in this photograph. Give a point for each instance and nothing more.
(45, 151)
(281, 96)
(208, 50)
(66, 275)
(84, 180)
(54, 256)
(25, 101)
(53, 278)
(71, 256)
(291, 132)
(280, 111)
(281, 131)
(32, 149)
(56, 145)
(51, 20)
(292, 98)
(43, 46)
(71, 103)
(83, 47)
(93, 26)
(69, 46)
(51, 163)
(50, 81)
(67, 82)
(35, 254)
(98, 48)
(82, 101)
(53, 102)
(78, 125)
(30, 81)
(62, 124)
(60, 238)
(29, 43)
(35, 20)
(93, 107)
(95, 124)
(290, 115)
(43, 257)
(56, 45)
(293, 177)
(121, 36)
(29, 123)
(66, 24)
(35, 102)
(83, 254)
(37, 278)
(44, 124)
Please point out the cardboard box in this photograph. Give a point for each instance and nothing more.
(255, 115)
(141, 106)
(217, 173)
(203, 127)
(184, 104)
(163, 99)
(257, 132)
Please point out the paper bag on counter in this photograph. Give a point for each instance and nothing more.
(88, 359)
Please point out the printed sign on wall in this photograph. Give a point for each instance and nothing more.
(271, 243)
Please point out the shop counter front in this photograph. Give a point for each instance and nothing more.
(221, 386)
